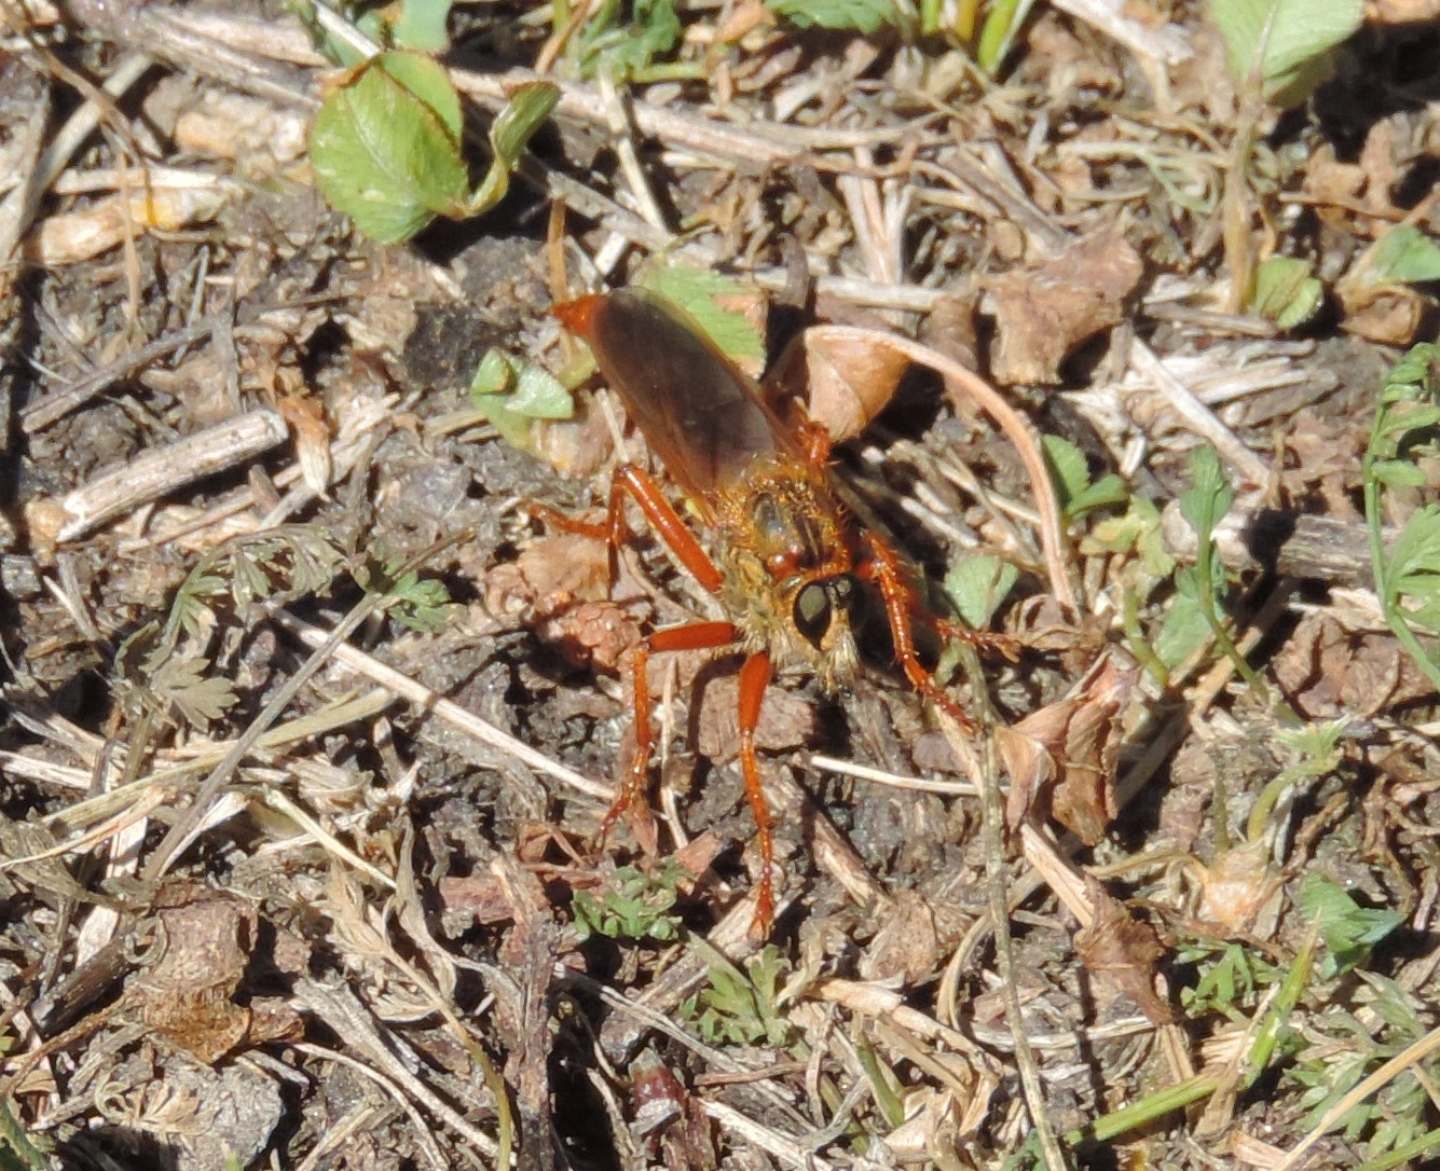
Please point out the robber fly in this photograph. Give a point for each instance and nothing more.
(789, 564)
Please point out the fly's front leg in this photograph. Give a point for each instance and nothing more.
(696, 636)
(884, 568)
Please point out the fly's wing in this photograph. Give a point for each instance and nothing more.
(701, 415)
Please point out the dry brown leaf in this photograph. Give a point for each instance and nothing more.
(598, 635)
(205, 939)
(844, 381)
(930, 1118)
(1388, 314)
(312, 439)
(577, 447)
(667, 1118)
(1043, 313)
(787, 720)
(1123, 951)
(1075, 743)
(550, 575)
(479, 895)
(907, 945)
(1328, 670)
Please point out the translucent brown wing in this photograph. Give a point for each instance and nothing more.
(702, 416)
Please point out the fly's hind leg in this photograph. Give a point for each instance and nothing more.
(693, 637)
(754, 679)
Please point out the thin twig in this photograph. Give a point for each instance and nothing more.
(21, 204)
(444, 709)
(1197, 416)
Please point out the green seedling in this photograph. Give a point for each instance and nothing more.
(632, 905)
(386, 146)
(1407, 574)
(739, 1008)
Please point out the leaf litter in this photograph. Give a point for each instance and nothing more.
(1186, 246)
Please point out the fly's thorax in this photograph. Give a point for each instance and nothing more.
(788, 560)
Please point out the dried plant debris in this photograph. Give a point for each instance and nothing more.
(1108, 331)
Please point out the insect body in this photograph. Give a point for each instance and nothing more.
(789, 564)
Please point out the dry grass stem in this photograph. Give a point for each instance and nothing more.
(160, 471)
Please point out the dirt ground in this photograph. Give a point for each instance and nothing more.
(311, 713)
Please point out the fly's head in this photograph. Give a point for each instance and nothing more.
(790, 561)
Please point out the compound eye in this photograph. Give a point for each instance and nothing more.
(812, 612)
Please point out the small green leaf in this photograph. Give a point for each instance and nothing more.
(1412, 574)
(1071, 476)
(1405, 255)
(1398, 473)
(976, 585)
(634, 905)
(607, 45)
(1002, 20)
(385, 147)
(1284, 44)
(698, 291)
(1285, 292)
(1209, 496)
(1184, 630)
(513, 394)
(428, 81)
(422, 605)
(1138, 529)
(1107, 490)
(514, 126)
(494, 375)
(862, 16)
(1067, 467)
(538, 394)
(421, 25)
(1348, 929)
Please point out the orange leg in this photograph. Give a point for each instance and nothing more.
(696, 636)
(981, 640)
(885, 569)
(754, 678)
(640, 486)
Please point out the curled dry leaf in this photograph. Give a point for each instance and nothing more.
(577, 447)
(1388, 314)
(930, 1117)
(844, 379)
(1123, 951)
(187, 994)
(1068, 751)
(1043, 313)
(1329, 670)
(312, 439)
(1044, 623)
(83, 235)
(1238, 892)
(907, 945)
(592, 634)
(668, 1118)
(561, 585)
